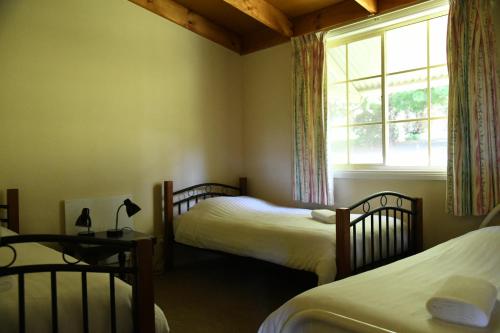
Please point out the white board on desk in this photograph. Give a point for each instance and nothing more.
(102, 213)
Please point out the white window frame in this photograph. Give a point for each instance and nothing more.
(377, 26)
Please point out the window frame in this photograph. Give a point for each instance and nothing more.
(359, 170)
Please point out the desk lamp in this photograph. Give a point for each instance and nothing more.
(131, 209)
(84, 220)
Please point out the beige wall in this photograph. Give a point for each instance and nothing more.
(101, 98)
(268, 149)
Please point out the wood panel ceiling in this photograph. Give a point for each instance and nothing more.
(245, 26)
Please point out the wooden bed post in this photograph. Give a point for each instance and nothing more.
(343, 242)
(13, 209)
(418, 232)
(168, 210)
(143, 287)
(243, 186)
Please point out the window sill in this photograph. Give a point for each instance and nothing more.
(391, 174)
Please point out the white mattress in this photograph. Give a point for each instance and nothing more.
(254, 228)
(38, 313)
(393, 297)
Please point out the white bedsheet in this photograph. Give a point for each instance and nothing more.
(38, 313)
(254, 228)
(393, 297)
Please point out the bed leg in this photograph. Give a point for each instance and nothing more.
(13, 210)
(417, 207)
(343, 242)
(243, 186)
(143, 287)
(168, 211)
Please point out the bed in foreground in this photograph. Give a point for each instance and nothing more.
(393, 298)
(42, 290)
(387, 228)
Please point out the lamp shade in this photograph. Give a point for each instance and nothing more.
(131, 207)
(84, 219)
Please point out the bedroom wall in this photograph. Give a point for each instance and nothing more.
(267, 148)
(102, 98)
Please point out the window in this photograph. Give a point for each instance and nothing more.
(388, 96)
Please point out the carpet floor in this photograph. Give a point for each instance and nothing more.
(225, 294)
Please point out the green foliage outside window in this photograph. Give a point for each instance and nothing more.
(402, 105)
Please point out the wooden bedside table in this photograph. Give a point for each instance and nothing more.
(92, 254)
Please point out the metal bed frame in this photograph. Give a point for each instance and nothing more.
(139, 273)
(376, 210)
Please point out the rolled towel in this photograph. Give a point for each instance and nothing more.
(464, 300)
(323, 215)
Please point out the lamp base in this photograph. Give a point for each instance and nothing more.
(114, 233)
(86, 233)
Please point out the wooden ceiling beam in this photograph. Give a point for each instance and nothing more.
(389, 5)
(266, 14)
(261, 39)
(188, 19)
(343, 13)
(337, 14)
(369, 5)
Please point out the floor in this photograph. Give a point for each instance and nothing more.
(220, 294)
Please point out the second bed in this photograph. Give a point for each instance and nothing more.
(379, 229)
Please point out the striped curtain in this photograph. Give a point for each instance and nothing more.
(474, 110)
(310, 120)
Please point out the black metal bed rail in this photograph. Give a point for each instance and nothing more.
(380, 209)
(384, 240)
(70, 266)
(196, 197)
(193, 194)
(383, 200)
(47, 268)
(50, 238)
(206, 186)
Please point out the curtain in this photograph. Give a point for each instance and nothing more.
(474, 121)
(311, 183)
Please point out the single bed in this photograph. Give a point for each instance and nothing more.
(392, 298)
(43, 290)
(386, 227)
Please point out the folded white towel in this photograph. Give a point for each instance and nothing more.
(464, 300)
(323, 215)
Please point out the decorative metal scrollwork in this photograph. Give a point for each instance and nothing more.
(399, 202)
(383, 200)
(14, 256)
(212, 189)
(366, 207)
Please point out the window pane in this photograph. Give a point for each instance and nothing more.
(439, 91)
(365, 145)
(336, 63)
(365, 101)
(337, 104)
(439, 142)
(365, 58)
(438, 28)
(408, 144)
(406, 47)
(337, 153)
(407, 95)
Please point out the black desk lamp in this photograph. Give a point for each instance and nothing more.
(84, 220)
(131, 208)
